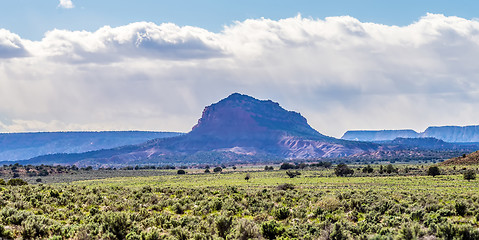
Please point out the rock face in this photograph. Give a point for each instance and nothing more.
(455, 134)
(239, 116)
(244, 125)
(237, 127)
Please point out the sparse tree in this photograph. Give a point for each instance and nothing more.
(433, 171)
(391, 169)
(286, 166)
(368, 169)
(181, 172)
(469, 175)
(343, 170)
(217, 169)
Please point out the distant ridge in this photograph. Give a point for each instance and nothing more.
(454, 134)
(236, 129)
(381, 135)
(20, 146)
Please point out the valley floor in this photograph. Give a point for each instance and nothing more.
(270, 205)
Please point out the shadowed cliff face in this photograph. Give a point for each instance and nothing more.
(245, 125)
(231, 129)
(241, 116)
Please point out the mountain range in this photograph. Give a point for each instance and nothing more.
(19, 146)
(238, 129)
(453, 134)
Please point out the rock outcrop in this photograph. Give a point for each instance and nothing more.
(237, 128)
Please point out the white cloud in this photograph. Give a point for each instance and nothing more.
(142, 39)
(66, 4)
(340, 73)
(11, 45)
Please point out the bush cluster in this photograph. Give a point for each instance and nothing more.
(246, 211)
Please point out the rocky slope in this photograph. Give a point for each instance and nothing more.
(238, 128)
(469, 159)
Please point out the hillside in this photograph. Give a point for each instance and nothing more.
(469, 159)
(19, 146)
(237, 129)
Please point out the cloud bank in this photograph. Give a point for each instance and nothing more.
(340, 73)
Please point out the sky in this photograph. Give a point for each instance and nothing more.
(154, 65)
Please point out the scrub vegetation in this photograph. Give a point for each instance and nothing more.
(366, 202)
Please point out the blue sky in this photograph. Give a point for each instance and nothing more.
(32, 18)
(154, 65)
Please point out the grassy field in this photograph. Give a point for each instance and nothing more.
(270, 205)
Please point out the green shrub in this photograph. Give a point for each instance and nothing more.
(469, 175)
(247, 230)
(223, 225)
(177, 208)
(5, 234)
(16, 182)
(133, 236)
(433, 171)
(390, 169)
(417, 215)
(18, 217)
(337, 233)
(271, 229)
(406, 233)
(116, 224)
(152, 234)
(35, 227)
(368, 169)
(461, 208)
(292, 174)
(180, 233)
(281, 213)
(446, 231)
(285, 186)
(343, 170)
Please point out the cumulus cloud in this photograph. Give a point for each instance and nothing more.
(340, 73)
(66, 4)
(11, 45)
(142, 39)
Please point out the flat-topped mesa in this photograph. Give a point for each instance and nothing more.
(236, 129)
(455, 134)
(240, 115)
